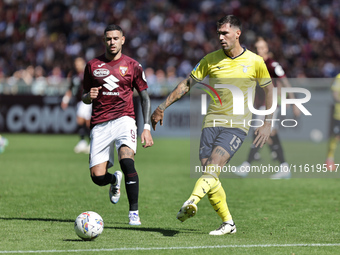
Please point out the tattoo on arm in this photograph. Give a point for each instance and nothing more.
(182, 88)
(146, 106)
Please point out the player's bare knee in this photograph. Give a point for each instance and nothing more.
(125, 152)
(217, 161)
(98, 170)
(100, 176)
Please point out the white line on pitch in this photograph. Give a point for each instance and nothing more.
(178, 248)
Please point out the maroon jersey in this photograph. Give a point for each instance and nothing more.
(274, 68)
(118, 78)
(276, 71)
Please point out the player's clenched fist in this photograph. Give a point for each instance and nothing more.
(157, 115)
(94, 92)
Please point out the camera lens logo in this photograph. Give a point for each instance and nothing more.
(209, 93)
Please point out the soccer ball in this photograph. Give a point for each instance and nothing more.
(316, 135)
(88, 225)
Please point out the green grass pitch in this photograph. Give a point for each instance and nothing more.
(44, 186)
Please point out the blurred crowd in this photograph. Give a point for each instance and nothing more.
(39, 39)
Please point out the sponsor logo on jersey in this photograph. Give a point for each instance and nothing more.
(111, 82)
(101, 64)
(109, 93)
(123, 70)
(102, 72)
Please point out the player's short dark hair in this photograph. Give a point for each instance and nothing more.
(230, 19)
(113, 27)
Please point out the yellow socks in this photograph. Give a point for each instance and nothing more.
(332, 147)
(209, 184)
(202, 187)
(218, 200)
(205, 183)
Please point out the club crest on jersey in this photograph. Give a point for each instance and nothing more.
(123, 70)
(245, 68)
(102, 72)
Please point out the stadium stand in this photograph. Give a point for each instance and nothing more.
(45, 36)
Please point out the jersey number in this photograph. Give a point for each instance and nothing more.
(235, 142)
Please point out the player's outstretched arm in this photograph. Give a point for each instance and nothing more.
(182, 88)
(146, 109)
(262, 133)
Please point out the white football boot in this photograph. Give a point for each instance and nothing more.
(134, 218)
(114, 191)
(81, 147)
(188, 210)
(284, 172)
(3, 144)
(225, 228)
(243, 169)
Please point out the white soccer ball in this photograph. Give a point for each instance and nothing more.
(88, 225)
(316, 135)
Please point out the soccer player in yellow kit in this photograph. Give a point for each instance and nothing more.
(335, 136)
(221, 139)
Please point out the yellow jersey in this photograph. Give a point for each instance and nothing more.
(242, 72)
(336, 88)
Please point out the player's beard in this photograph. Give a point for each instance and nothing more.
(226, 46)
(113, 53)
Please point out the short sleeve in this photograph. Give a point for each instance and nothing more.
(87, 78)
(262, 74)
(200, 71)
(336, 84)
(139, 78)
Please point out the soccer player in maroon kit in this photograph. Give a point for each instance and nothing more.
(277, 73)
(109, 81)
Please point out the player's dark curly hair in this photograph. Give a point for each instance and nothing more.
(113, 27)
(231, 19)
